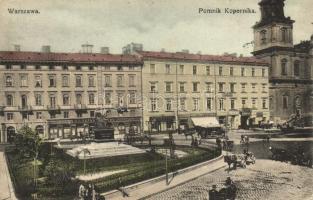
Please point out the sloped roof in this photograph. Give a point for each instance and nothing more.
(202, 58)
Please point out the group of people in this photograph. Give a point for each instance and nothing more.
(229, 191)
(88, 192)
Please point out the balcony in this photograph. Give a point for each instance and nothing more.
(80, 107)
(53, 109)
(25, 108)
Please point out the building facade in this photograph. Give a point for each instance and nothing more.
(180, 86)
(290, 65)
(58, 94)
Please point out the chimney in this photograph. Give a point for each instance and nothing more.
(45, 49)
(17, 47)
(185, 51)
(104, 50)
(87, 48)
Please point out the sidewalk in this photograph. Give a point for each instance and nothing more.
(6, 186)
(150, 187)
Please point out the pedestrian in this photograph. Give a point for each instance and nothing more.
(89, 192)
(81, 192)
(213, 193)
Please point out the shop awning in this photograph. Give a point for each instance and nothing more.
(206, 122)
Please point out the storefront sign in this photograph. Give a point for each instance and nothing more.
(71, 121)
(245, 112)
(163, 119)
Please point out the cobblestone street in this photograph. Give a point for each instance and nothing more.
(264, 180)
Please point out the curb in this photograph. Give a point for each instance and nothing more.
(162, 177)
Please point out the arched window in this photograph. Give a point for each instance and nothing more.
(24, 101)
(66, 99)
(39, 130)
(9, 100)
(38, 99)
(296, 68)
(284, 67)
(263, 36)
(78, 98)
(9, 81)
(284, 35)
(91, 98)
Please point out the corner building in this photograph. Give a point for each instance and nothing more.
(180, 86)
(58, 94)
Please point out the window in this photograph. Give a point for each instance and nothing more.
(79, 99)
(168, 104)
(232, 104)
(65, 114)
(264, 104)
(263, 72)
(232, 87)
(51, 67)
(24, 101)
(284, 35)
(131, 68)
(10, 116)
(38, 81)
(65, 81)
(168, 87)
(107, 98)
(196, 104)
(8, 67)
(23, 79)
(285, 102)
(220, 71)
(263, 36)
(65, 67)
(79, 81)
(23, 66)
(9, 81)
(152, 68)
(132, 80)
(79, 115)
(194, 70)
(296, 68)
(221, 104)
(243, 103)
(52, 101)
(182, 104)
(167, 69)
(242, 71)
(91, 81)
(208, 70)
(91, 98)
(243, 87)
(91, 67)
(92, 113)
(209, 87)
(52, 115)
(120, 80)
(254, 103)
(108, 81)
(78, 68)
(253, 87)
(220, 87)
(132, 98)
(38, 115)
(119, 68)
(181, 87)
(231, 71)
(153, 87)
(153, 105)
(107, 68)
(181, 69)
(52, 81)
(209, 103)
(253, 72)
(24, 116)
(284, 67)
(195, 87)
(66, 100)
(9, 100)
(264, 87)
(38, 99)
(38, 67)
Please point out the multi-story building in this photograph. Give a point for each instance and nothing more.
(180, 86)
(58, 94)
(290, 66)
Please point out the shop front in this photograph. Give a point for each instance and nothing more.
(245, 120)
(162, 124)
(125, 125)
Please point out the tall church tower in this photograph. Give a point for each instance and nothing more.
(289, 72)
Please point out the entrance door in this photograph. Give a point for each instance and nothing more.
(10, 134)
(243, 122)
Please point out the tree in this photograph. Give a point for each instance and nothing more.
(28, 144)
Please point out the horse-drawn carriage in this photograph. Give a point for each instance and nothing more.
(241, 160)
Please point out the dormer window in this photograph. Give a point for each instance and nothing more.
(263, 36)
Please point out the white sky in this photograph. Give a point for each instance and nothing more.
(170, 24)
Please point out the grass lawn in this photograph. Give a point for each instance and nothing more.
(54, 170)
